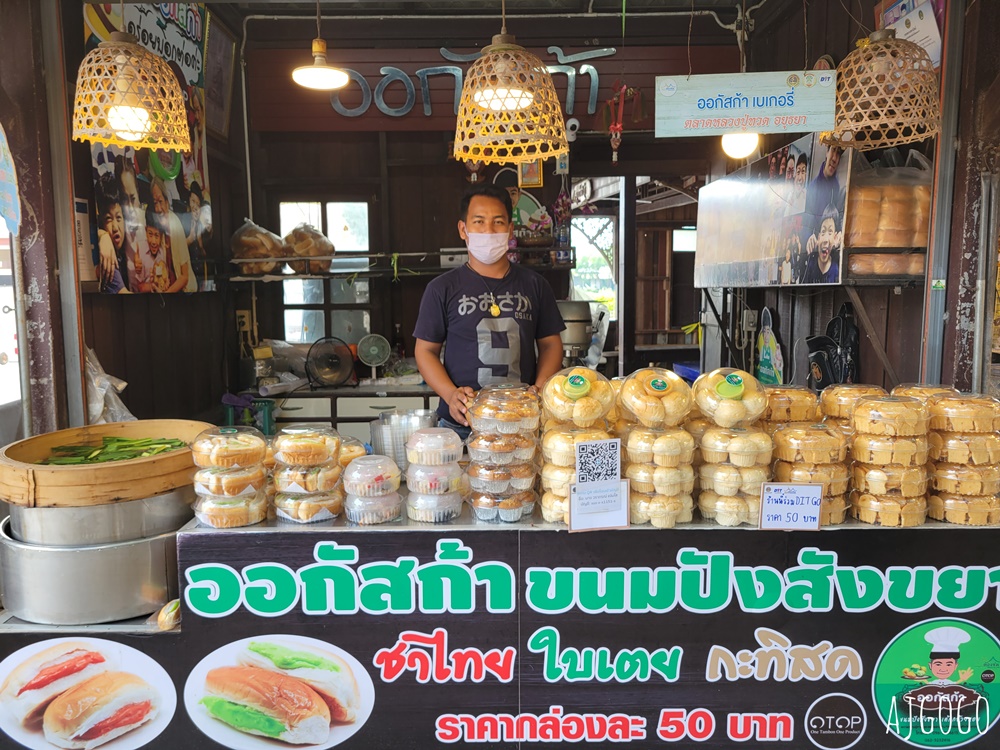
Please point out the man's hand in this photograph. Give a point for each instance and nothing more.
(965, 674)
(457, 405)
(108, 259)
(813, 245)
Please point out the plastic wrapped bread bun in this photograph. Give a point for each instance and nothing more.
(815, 444)
(578, 395)
(305, 241)
(838, 401)
(890, 415)
(791, 403)
(655, 398)
(251, 241)
(957, 413)
(730, 398)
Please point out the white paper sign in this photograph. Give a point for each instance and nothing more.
(791, 507)
(920, 27)
(598, 505)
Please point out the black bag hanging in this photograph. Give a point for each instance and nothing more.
(833, 358)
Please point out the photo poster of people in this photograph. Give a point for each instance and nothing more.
(777, 222)
(153, 206)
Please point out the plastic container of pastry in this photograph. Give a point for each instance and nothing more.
(229, 448)
(350, 449)
(884, 510)
(489, 447)
(844, 426)
(368, 511)
(922, 391)
(835, 478)
(434, 446)
(730, 398)
(654, 397)
(509, 508)
(306, 445)
(772, 427)
(319, 506)
(838, 400)
(578, 395)
(434, 480)
(557, 479)
(433, 508)
(501, 480)
(555, 508)
(303, 480)
(961, 479)
(895, 416)
(735, 510)
(964, 509)
(667, 447)
(791, 403)
(505, 409)
(661, 480)
(370, 476)
(833, 510)
(728, 480)
(230, 482)
(224, 512)
(883, 451)
(815, 444)
(904, 481)
(738, 446)
(975, 449)
(559, 446)
(659, 511)
(954, 413)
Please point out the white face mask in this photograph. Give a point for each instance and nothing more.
(487, 247)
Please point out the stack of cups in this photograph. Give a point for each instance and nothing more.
(736, 454)
(965, 460)
(576, 402)
(433, 476)
(502, 447)
(659, 454)
(815, 454)
(230, 482)
(837, 404)
(372, 484)
(789, 404)
(307, 474)
(890, 455)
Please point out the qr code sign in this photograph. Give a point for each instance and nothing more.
(598, 461)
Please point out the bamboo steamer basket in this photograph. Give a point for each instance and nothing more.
(23, 481)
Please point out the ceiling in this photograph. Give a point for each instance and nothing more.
(726, 8)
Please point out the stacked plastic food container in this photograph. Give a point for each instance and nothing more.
(890, 455)
(433, 476)
(230, 482)
(789, 404)
(307, 474)
(965, 455)
(372, 487)
(736, 454)
(576, 400)
(502, 468)
(837, 404)
(815, 454)
(659, 454)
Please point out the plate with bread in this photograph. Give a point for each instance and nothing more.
(84, 693)
(279, 691)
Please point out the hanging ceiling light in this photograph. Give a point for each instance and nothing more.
(320, 75)
(740, 145)
(887, 95)
(128, 96)
(509, 112)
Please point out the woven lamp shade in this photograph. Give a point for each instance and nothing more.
(509, 112)
(128, 96)
(887, 95)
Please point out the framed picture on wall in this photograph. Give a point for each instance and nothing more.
(220, 70)
(529, 174)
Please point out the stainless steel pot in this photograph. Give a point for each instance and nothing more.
(102, 524)
(579, 326)
(87, 585)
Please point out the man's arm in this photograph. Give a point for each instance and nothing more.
(428, 356)
(550, 356)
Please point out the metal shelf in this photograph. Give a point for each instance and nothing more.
(902, 280)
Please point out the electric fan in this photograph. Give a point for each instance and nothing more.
(329, 362)
(374, 350)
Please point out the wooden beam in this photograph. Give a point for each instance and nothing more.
(873, 336)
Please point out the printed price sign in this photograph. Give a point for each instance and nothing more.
(598, 505)
(791, 507)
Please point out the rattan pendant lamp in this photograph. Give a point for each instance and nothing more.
(509, 112)
(887, 95)
(128, 96)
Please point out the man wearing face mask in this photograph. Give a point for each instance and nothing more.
(500, 320)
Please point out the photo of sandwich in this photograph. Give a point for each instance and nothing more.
(84, 693)
(277, 691)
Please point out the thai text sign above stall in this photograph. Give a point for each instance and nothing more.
(799, 101)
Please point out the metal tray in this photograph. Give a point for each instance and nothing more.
(103, 524)
(87, 585)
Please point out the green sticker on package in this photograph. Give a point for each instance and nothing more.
(658, 384)
(576, 387)
(935, 683)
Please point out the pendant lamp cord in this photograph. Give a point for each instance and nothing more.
(503, 17)
(318, 35)
(121, 13)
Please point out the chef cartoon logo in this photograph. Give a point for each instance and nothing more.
(930, 685)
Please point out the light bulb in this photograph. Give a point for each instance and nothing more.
(320, 75)
(740, 145)
(503, 99)
(127, 117)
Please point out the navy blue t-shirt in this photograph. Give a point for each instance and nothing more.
(480, 349)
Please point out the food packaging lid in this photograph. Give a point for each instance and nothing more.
(506, 396)
(806, 473)
(891, 410)
(957, 406)
(434, 439)
(373, 468)
(813, 437)
(838, 400)
(576, 434)
(784, 396)
(922, 391)
(306, 429)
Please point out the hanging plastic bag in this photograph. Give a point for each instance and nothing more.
(770, 364)
(103, 404)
